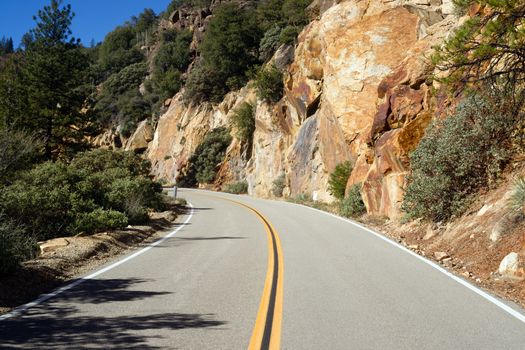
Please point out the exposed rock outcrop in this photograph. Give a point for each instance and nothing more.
(357, 89)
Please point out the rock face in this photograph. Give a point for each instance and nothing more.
(356, 88)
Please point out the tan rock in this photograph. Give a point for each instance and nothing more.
(440, 256)
(512, 267)
(141, 138)
(52, 245)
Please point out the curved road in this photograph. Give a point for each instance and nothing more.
(263, 274)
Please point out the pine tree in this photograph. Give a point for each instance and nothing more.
(6, 46)
(51, 77)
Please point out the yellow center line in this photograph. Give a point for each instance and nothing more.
(266, 333)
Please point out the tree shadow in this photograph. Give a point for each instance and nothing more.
(60, 324)
(97, 291)
(59, 329)
(182, 241)
(196, 209)
(207, 238)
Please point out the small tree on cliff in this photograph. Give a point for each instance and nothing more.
(489, 47)
(339, 178)
(51, 75)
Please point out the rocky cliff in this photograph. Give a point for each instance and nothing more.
(356, 88)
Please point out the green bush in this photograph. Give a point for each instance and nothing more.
(99, 220)
(128, 78)
(15, 245)
(288, 35)
(269, 84)
(243, 120)
(132, 197)
(237, 187)
(174, 52)
(118, 50)
(19, 151)
(278, 185)
(517, 200)
(456, 157)
(269, 43)
(202, 165)
(227, 52)
(339, 178)
(295, 12)
(120, 101)
(204, 84)
(352, 205)
(98, 190)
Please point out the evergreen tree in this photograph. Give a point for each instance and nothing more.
(6, 46)
(49, 84)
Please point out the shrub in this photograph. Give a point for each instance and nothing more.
(295, 12)
(120, 101)
(202, 167)
(205, 84)
(278, 185)
(237, 187)
(269, 84)
(128, 78)
(339, 178)
(243, 120)
(227, 52)
(15, 245)
(101, 160)
(456, 157)
(269, 43)
(118, 50)
(98, 190)
(19, 151)
(352, 205)
(517, 200)
(288, 35)
(131, 196)
(174, 53)
(99, 220)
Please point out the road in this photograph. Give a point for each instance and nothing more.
(241, 272)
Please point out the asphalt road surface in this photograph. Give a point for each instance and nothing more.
(239, 272)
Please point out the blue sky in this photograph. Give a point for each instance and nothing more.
(93, 20)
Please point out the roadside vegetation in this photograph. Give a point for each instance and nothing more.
(239, 187)
(51, 183)
(278, 185)
(468, 150)
(243, 121)
(202, 165)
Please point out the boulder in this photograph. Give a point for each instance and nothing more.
(139, 141)
(440, 256)
(512, 267)
(52, 245)
(283, 56)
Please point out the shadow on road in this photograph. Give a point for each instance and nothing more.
(206, 238)
(60, 324)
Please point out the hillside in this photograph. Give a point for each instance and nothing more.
(359, 85)
(403, 114)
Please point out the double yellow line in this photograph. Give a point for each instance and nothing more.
(267, 330)
(266, 333)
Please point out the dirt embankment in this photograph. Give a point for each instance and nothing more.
(473, 245)
(63, 259)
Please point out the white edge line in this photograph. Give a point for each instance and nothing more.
(44, 297)
(461, 281)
